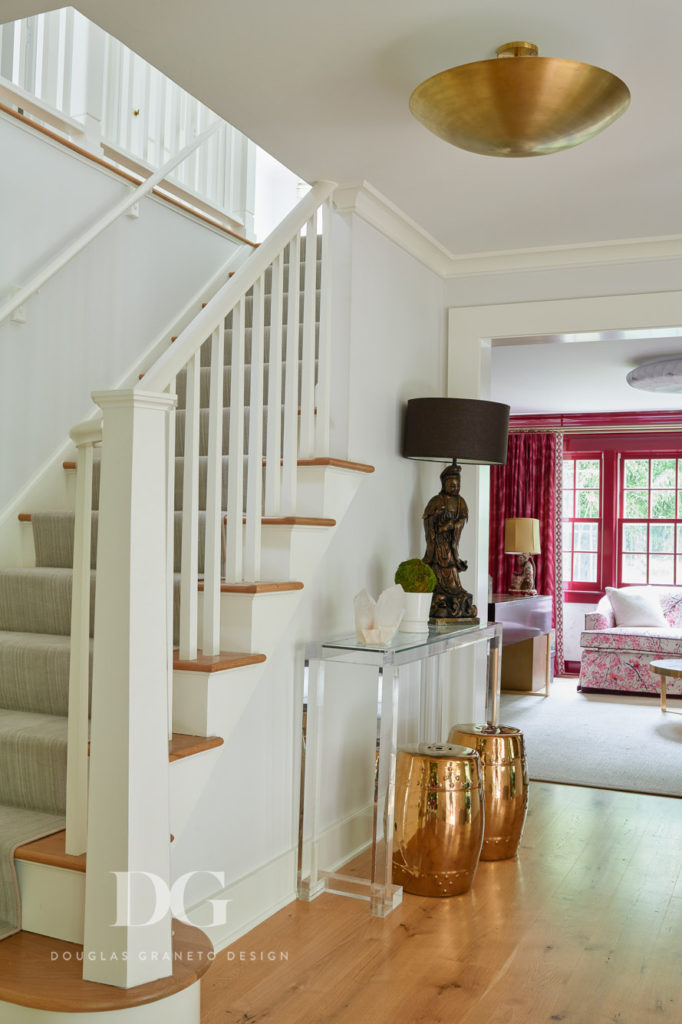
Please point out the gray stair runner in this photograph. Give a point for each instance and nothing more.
(35, 622)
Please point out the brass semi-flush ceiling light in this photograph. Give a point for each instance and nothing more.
(519, 104)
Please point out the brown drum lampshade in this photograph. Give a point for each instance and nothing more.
(465, 430)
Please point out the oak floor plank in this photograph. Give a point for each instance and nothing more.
(585, 927)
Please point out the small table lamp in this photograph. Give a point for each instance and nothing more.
(522, 538)
(462, 430)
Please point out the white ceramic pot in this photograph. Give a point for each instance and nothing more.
(416, 617)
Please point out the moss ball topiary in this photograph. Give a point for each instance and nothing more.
(416, 577)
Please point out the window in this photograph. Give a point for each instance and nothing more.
(582, 520)
(622, 513)
(650, 526)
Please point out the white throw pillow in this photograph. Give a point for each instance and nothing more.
(636, 606)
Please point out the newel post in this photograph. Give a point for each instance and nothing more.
(128, 829)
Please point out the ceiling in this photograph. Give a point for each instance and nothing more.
(324, 88)
(580, 373)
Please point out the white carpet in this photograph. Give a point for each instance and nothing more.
(599, 740)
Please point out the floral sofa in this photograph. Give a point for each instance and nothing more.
(616, 659)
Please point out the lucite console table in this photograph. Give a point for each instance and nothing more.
(372, 881)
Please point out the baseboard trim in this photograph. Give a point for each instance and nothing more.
(252, 899)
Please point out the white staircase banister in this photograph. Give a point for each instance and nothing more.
(176, 357)
(67, 254)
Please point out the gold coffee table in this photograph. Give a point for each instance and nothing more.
(666, 667)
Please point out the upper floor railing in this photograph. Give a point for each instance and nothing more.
(67, 72)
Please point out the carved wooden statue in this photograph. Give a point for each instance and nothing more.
(444, 518)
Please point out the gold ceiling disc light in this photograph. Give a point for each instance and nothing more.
(519, 104)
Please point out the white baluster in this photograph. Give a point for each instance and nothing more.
(323, 390)
(67, 69)
(214, 515)
(190, 516)
(170, 549)
(273, 448)
(234, 550)
(306, 444)
(290, 440)
(84, 437)
(254, 479)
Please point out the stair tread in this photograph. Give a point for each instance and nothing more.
(32, 976)
(184, 745)
(216, 662)
(256, 587)
(51, 850)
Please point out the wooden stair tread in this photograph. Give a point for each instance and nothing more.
(184, 745)
(31, 976)
(256, 587)
(358, 467)
(51, 850)
(216, 662)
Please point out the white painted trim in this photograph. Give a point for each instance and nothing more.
(471, 332)
(253, 898)
(14, 96)
(562, 257)
(369, 204)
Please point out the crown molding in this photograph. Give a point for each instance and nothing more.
(374, 208)
(562, 257)
(368, 203)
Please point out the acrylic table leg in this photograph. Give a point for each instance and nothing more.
(492, 710)
(663, 693)
(309, 883)
(385, 896)
(431, 702)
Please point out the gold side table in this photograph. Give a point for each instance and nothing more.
(666, 667)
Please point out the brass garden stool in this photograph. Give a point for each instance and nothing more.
(438, 818)
(505, 783)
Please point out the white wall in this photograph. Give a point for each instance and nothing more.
(246, 817)
(88, 325)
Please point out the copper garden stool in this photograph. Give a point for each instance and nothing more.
(505, 782)
(438, 818)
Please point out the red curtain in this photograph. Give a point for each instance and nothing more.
(526, 487)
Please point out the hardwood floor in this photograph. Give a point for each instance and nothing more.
(585, 927)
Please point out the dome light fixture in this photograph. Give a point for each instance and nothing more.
(519, 104)
(664, 375)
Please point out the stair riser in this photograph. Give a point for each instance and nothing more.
(52, 900)
(34, 770)
(203, 431)
(199, 697)
(54, 539)
(35, 676)
(39, 603)
(248, 335)
(205, 383)
(253, 622)
(267, 307)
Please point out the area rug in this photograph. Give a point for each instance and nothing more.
(609, 742)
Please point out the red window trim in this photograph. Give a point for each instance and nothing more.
(615, 445)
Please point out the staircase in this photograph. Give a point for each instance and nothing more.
(252, 497)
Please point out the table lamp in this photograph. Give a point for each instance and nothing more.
(522, 538)
(456, 430)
